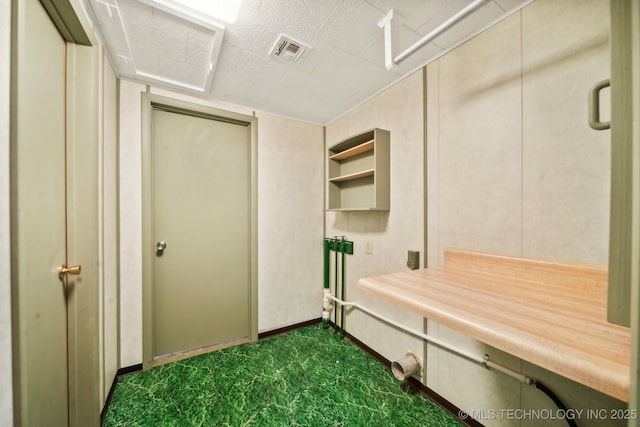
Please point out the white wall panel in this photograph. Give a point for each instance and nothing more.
(130, 224)
(399, 109)
(566, 164)
(6, 388)
(290, 221)
(514, 168)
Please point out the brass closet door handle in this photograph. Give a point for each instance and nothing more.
(63, 270)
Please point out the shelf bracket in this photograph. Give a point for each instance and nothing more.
(388, 55)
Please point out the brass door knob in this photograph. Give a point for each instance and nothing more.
(63, 270)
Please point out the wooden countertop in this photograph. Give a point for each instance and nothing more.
(549, 313)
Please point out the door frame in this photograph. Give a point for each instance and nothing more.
(149, 101)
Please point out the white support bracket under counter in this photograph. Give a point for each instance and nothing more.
(549, 313)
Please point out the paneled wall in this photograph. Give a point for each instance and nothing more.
(514, 168)
(565, 163)
(391, 234)
(109, 339)
(290, 221)
(130, 217)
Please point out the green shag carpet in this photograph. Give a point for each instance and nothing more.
(309, 377)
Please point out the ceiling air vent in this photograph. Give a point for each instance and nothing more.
(289, 49)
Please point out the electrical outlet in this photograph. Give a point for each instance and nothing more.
(368, 247)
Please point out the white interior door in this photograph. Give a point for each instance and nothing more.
(201, 200)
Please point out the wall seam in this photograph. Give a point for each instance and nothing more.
(117, 230)
(521, 136)
(439, 123)
(324, 181)
(292, 197)
(519, 361)
(425, 213)
(425, 174)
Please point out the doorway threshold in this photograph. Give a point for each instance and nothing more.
(168, 358)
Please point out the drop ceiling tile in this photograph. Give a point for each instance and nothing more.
(300, 18)
(261, 69)
(508, 5)
(327, 98)
(469, 25)
(241, 92)
(262, 95)
(148, 61)
(226, 86)
(228, 61)
(447, 10)
(347, 33)
(350, 70)
(134, 12)
(173, 69)
(247, 92)
(258, 26)
(297, 82)
(314, 112)
(198, 49)
(248, 33)
(312, 59)
(335, 95)
(413, 13)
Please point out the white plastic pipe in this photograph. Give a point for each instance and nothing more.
(485, 361)
(405, 367)
(385, 23)
(326, 305)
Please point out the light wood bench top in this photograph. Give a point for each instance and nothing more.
(549, 313)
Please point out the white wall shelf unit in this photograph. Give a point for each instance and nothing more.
(358, 172)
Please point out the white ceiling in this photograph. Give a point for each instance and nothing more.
(231, 62)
